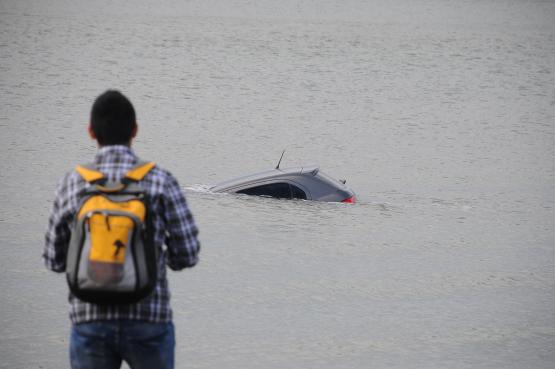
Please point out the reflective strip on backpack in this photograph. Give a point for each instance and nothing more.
(106, 189)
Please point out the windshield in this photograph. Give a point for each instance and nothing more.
(328, 178)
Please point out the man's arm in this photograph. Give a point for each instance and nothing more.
(181, 231)
(58, 233)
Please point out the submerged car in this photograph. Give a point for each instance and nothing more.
(306, 183)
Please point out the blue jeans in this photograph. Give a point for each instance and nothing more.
(104, 344)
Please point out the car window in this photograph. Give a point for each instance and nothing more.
(297, 193)
(278, 190)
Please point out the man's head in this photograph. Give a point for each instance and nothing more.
(112, 119)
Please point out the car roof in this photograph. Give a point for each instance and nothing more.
(271, 174)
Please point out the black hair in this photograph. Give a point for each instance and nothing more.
(113, 118)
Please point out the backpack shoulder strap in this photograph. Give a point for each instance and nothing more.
(89, 173)
(139, 171)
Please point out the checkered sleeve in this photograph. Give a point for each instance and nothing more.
(181, 232)
(58, 231)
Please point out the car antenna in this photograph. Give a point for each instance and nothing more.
(279, 162)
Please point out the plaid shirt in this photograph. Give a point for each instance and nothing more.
(173, 223)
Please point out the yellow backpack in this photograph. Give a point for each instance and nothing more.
(111, 257)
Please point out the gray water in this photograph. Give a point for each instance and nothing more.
(440, 115)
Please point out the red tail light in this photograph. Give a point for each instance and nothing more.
(350, 200)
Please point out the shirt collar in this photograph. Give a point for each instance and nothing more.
(115, 153)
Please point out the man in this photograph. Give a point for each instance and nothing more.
(142, 334)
